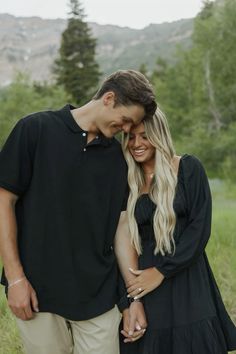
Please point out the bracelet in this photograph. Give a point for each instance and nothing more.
(15, 282)
(133, 299)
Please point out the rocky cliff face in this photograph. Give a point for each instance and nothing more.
(30, 44)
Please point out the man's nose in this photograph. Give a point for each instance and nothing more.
(126, 127)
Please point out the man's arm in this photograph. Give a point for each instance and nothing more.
(21, 296)
(134, 317)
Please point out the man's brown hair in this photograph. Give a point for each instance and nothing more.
(130, 87)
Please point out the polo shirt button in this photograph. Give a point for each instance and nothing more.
(84, 134)
(97, 137)
(84, 149)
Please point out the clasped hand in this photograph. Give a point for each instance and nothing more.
(146, 280)
(134, 320)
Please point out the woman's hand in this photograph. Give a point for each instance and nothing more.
(146, 280)
(134, 322)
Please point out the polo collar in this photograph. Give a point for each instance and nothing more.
(70, 122)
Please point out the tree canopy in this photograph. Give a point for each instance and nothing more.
(76, 68)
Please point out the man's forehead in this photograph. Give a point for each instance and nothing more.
(135, 121)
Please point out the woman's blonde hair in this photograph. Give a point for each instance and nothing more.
(163, 186)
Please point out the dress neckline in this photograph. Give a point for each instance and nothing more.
(178, 173)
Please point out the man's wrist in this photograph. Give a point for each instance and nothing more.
(14, 274)
(16, 281)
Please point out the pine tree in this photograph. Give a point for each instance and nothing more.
(76, 68)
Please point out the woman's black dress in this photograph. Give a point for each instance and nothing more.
(185, 314)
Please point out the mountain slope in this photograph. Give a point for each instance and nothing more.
(30, 44)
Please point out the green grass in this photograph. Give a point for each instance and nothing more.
(9, 339)
(221, 248)
(221, 252)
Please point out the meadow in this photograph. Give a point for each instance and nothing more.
(221, 251)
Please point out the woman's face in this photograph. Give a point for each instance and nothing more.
(139, 146)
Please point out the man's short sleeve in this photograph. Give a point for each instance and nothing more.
(16, 159)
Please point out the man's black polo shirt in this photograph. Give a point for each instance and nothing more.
(71, 197)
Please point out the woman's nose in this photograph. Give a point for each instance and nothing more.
(136, 141)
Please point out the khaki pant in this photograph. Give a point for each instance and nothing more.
(48, 333)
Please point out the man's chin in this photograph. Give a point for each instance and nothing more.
(111, 134)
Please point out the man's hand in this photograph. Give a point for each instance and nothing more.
(22, 300)
(146, 280)
(134, 322)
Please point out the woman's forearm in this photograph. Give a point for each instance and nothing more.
(126, 254)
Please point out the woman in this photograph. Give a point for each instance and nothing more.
(169, 214)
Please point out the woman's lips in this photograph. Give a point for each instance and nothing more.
(138, 152)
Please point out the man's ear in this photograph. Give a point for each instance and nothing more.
(108, 98)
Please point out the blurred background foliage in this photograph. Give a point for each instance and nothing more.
(197, 91)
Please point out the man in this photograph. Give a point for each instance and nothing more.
(63, 181)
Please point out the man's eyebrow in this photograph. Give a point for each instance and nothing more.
(128, 119)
